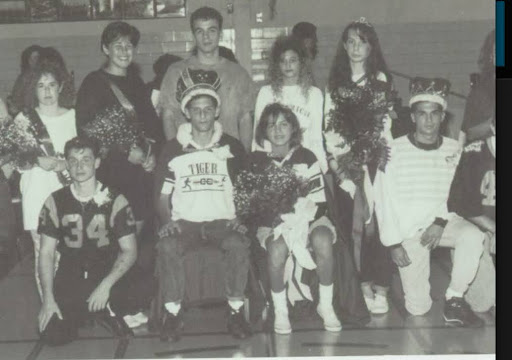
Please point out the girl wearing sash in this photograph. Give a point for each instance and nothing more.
(53, 125)
(359, 72)
(117, 84)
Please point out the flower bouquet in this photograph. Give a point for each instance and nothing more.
(19, 144)
(267, 195)
(113, 128)
(353, 132)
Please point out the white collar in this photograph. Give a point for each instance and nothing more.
(184, 136)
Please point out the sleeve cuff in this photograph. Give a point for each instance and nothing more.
(392, 247)
(440, 221)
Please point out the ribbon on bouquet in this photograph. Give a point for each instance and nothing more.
(295, 231)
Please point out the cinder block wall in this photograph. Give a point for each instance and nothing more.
(436, 38)
(448, 50)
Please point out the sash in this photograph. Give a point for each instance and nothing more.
(45, 143)
(130, 109)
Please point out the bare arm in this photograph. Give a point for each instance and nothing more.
(46, 270)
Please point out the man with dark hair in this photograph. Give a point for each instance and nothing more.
(238, 92)
(94, 230)
(306, 32)
(194, 189)
(411, 196)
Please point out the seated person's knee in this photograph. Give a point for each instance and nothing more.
(277, 252)
(322, 239)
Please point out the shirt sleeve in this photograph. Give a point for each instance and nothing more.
(88, 101)
(168, 106)
(248, 90)
(122, 220)
(164, 177)
(48, 219)
(465, 199)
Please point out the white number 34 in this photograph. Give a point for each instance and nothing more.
(96, 229)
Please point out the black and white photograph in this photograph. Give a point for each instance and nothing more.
(247, 178)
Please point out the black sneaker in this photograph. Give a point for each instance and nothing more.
(115, 325)
(172, 326)
(238, 327)
(458, 313)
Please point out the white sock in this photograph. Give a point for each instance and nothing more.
(173, 307)
(325, 295)
(451, 293)
(279, 299)
(235, 304)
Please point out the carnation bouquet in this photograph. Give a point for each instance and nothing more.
(267, 195)
(353, 132)
(19, 143)
(114, 128)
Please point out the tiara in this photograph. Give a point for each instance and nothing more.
(362, 20)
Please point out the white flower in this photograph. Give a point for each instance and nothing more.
(223, 152)
(301, 170)
(102, 197)
(336, 144)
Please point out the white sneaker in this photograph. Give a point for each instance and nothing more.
(282, 323)
(141, 317)
(331, 322)
(380, 304)
(131, 321)
(369, 303)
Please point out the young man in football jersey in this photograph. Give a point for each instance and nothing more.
(196, 171)
(94, 230)
(473, 196)
(411, 206)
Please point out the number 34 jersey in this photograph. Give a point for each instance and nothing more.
(87, 228)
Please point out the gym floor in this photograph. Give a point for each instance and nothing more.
(206, 335)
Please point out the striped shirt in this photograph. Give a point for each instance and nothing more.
(414, 188)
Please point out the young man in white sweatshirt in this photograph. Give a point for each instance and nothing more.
(411, 207)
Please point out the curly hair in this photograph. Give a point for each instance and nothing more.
(275, 75)
(271, 112)
(44, 68)
(341, 73)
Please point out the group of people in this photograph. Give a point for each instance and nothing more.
(207, 123)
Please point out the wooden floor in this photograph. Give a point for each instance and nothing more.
(206, 336)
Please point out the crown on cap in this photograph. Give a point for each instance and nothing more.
(433, 90)
(197, 82)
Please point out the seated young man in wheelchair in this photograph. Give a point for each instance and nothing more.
(306, 230)
(196, 172)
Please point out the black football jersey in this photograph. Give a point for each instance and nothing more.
(85, 228)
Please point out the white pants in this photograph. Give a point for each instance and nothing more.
(466, 240)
